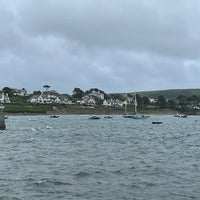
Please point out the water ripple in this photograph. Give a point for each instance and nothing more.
(73, 158)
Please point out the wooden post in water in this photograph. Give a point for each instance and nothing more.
(2, 119)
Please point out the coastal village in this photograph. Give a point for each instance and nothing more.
(95, 97)
(52, 97)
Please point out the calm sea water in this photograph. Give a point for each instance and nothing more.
(72, 157)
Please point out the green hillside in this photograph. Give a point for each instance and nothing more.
(171, 93)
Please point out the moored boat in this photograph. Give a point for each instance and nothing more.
(139, 117)
(108, 117)
(126, 115)
(94, 117)
(180, 115)
(53, 116)
(157, 122)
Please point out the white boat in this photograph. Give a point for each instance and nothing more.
(181, 115)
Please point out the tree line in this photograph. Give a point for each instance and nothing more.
(180, 103)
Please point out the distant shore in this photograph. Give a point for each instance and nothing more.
(58, 109)
(93, 111)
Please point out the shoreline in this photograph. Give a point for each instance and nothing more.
(18, 110)
(86, 112)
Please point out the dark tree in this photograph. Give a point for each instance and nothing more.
(118, 96)
(7, 90)
(161, 102)
(46, 87)
(145, 101)
(130, 95)
(94, 89)
(78, 93)
(182, 100)
(194, 100)
(36, 92)
(182, 103)
(171, 104)
(139, 100)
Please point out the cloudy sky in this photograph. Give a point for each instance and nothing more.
(113, 45)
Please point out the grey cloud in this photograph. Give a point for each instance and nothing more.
(163, 29)
(113, 45)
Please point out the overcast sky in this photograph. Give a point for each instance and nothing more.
(113, 45)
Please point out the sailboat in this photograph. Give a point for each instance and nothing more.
(136, 116)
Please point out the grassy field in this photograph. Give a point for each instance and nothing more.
(27, 108)
(170, 94)
(19, 109)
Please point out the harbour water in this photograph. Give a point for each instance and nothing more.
(74, 158)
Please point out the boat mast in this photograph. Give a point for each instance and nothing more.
(125, 108)
(135, 104)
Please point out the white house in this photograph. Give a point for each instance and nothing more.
(48, 97)
(4, 98)
(108, 102)
(88, 101)
(113, 103)
(152, 100)
(97, 94)
(18, 92)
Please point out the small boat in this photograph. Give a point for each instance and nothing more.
(127, 115)
(157, 122)
(180, 115)
(53, 116)
(139, 117)
(94, 117)
(108, 117)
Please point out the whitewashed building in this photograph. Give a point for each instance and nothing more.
(97, 94)
(88, 101)
(18, 92)
(152, 100)
(48, 97)
(4, 98)
(113, 103)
